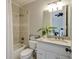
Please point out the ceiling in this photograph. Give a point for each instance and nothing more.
(22, 2)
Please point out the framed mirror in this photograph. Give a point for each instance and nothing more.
(58, 20)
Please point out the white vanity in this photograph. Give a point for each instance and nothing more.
(53, 49)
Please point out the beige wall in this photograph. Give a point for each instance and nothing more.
(16, 24)
(69, 2)
(70, 21)
(36, 14)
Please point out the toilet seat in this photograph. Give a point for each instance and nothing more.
(26, 52)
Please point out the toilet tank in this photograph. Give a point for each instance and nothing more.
(32, 44)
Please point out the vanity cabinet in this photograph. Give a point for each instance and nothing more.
(65, 57)
(51, 55)
(41, 54)
(52, 51)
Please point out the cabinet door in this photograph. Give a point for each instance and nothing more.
(51, 55)
(41, 55)
(65, 57)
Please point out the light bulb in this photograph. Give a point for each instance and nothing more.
(50, 7)
(60, 5)
(54, 6)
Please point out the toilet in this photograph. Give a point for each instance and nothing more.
(27, 53)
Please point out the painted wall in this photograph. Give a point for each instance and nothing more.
(70, 21)
(69, 2)
(36, 14)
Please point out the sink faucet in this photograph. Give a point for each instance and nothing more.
(59, 37)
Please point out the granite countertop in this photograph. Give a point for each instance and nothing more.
(65, 42)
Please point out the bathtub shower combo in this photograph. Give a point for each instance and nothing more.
(21, 52)
(17, 50)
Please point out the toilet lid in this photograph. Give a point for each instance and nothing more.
(26, 52)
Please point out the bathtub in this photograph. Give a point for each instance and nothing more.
(17, 49)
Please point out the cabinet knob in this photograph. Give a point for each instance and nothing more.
(68, 50)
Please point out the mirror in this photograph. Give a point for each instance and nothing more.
(59, 20)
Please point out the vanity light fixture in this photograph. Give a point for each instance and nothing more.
(52, 6)
(60, 5)
(57, 5)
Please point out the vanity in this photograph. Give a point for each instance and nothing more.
(53, 49)
(55, 23)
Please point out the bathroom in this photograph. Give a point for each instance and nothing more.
(31, 19)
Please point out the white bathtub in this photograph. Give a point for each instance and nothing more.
(17, 49)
